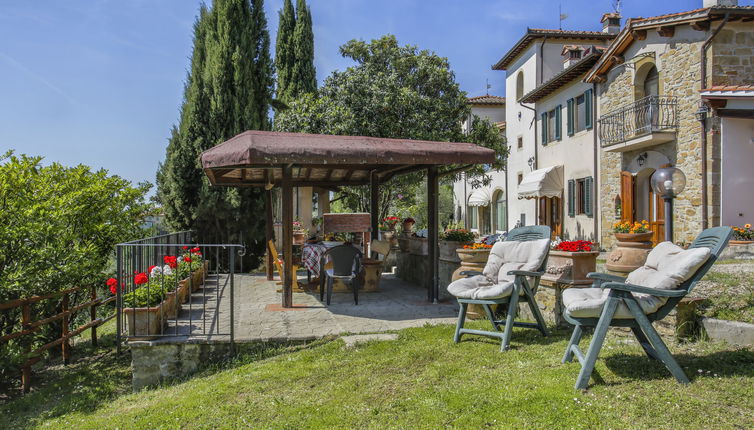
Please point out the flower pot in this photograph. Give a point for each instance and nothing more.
(473, 256)
(630, 252)
(448, 250)
(740, 242)
(570, 267)
(145, 323)
(172, 304)
(391, 237)
(299, 237)
(408, 227)
(418, 246)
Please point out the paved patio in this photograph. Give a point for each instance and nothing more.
(259, 315)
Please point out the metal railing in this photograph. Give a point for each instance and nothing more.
(170, 286)
(644, 116)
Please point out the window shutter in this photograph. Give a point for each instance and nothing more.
(569, 116)
(571, 197)
(558, 122)
(588, 197)
(588, 108)
(544, 128)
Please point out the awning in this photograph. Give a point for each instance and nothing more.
(547, 182)
(480, 197)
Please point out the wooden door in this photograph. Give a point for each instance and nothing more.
(627, 196)
(656, 217)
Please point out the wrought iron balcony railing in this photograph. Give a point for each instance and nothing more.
(648, 115)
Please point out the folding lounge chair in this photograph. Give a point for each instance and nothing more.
(504, 281)
(648, 294)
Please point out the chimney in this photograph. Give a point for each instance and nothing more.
(611, 22)
(722, 3)
(572, 54)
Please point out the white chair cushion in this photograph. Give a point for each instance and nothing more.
(496, 283)
(666, 268)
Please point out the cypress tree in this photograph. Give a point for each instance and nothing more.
(304, 74)
(227, 91)
(284, 50)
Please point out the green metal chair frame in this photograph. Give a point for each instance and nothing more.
(520, 284)
(715, 239)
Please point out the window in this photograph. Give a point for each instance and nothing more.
(520, 177)
(473, 217)
(579, 113)
(580, 196)
(520, 142)
(551, 125)
(499, 221)
(519, 85)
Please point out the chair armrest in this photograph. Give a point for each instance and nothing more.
(470, 273)
(525, 273)
(604, 277)
(620, 286)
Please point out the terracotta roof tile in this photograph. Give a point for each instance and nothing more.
(535, 33)
(486, 100)
(728, 88)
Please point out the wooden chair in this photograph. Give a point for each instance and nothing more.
(279, 265)
(520, 288)
(639, 322)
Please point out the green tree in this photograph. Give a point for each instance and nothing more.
(397, 92)
(285, 56)
(227, 91)
(304, 74)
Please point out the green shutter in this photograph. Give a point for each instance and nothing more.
(544, 128)
(588, 200)
(558, 122)
(588, 108)
(571, 197)
(569, 116)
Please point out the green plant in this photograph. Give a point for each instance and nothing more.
(457, 235)
(743, 233)
(631, 228)
(144, 296)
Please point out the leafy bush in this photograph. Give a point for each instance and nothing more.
(457, 235)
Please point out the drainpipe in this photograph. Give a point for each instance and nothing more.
(595, 185)
(703, 65)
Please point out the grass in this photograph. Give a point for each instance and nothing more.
(422, 380)
(730, 296)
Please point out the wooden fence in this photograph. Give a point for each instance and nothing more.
(29, 327)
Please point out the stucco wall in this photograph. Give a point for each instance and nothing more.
(737, 162)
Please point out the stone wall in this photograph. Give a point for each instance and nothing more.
(732, 55)
(156, 362)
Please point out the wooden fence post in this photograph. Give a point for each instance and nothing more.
(93, 316)
(65, 346)
(26, 369)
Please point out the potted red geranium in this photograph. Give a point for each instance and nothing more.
(570, 261)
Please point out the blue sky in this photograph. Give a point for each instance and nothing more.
(99, 82)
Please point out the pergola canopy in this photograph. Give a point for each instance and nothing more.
(256, 158)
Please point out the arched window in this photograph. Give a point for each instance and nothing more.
(652, 83)
(520, 85)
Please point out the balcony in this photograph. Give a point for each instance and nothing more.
(646, 122)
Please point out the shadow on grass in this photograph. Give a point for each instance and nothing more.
(97, 375)
(520, 338)
(721, 363)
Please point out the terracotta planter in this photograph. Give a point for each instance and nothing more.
(145, 323)
(473, 256)
(570, 267)
(184, 290)
(418, 246)
(172, 304)
(408, 227)
(740, 242)
(299, 238)
(448, 250)
(630, 252)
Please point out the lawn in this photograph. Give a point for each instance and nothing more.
(729, 294)
(421, 380)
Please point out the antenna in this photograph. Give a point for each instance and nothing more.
(488, 86)
(617, 6)
(561, 16)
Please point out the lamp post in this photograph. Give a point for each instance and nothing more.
(668, 182)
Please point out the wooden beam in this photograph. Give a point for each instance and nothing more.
(618, 59)
(287, 237)
(717, 103)
(666, 31)
(269, 232)
(736, 113)
(349, 174)
(700, 25)
(374, 203)
(639, 34)
(432, 227)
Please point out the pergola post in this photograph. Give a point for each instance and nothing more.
(432, 230)
(269, 234)
(287, 237)
(374, 203)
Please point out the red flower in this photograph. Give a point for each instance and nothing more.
(575, 246)
(150, 269)
(187, 259)
(185, 248)
(113, 284)
(141, 279)
(171, 261)
(196, 250)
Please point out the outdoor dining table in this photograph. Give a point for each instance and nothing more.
(311, 253)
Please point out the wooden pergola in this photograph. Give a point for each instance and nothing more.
(274, 159)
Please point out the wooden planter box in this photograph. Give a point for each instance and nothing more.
(172, 304)
(570, 267)
(418, 246)
(145, 323)
(448, 250)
